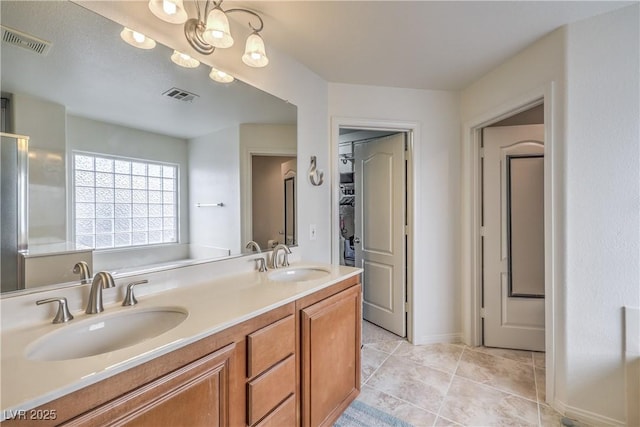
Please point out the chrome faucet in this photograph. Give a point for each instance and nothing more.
(274, 255)
(101, 280)
(82, 268)
(253, 246)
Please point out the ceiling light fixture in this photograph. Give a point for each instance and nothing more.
(184, 60)
(220, 76)
(137, 39)
(210, 29)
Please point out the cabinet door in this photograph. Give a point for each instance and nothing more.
(194, 395)
(330, 344)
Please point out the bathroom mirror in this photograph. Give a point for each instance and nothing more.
(290, 209)
(103, 116)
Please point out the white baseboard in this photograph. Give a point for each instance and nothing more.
(436, 339)
(587, 417)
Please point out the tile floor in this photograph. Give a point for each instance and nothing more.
(453, 384)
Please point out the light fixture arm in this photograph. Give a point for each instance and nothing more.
(194, 27)
(250, 12)
(208, 7)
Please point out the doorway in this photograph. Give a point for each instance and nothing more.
(273, 219)
(511, 228)
(512, 236)
(373, 219)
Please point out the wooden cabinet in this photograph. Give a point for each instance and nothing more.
(271, 372)
(283, 416)
(269, 345)
(269, 390)
(296, 365)
(194, 395)
(330, 356)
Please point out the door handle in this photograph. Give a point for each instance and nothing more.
(356, 240)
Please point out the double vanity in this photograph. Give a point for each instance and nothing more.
(208, 344)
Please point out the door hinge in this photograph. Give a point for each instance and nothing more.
(407, 307)
(482, 152)
(482, 231)
(482, 312)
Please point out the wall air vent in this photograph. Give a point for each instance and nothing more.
(181, 94)
(25, 41)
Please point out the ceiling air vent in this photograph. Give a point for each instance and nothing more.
(25, 41)
(181, 94)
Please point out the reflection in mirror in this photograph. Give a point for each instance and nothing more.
(290, 209)
(268, 201)
(525, 225)
(124, 145)
(13, 206)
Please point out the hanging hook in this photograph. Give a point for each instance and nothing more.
(315, 176)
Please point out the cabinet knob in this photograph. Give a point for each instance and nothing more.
(63, 315)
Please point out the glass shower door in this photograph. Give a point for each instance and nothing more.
(13, 209)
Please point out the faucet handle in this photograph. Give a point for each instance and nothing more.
(253, 246)
(130, 298)
(83, 269)
(63, 315)
(262, 264)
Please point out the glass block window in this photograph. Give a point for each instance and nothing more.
(120, 202)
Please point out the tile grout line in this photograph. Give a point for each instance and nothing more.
(393, 395)
(535, 381)
(449, 386)
(382, 363)
(438, 415)
(501, 357)
(535, 400)
(499, 389)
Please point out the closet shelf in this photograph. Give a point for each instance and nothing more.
(347, 200)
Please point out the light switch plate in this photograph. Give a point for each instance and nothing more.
(632, 330)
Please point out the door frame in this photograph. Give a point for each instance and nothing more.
(471, 210)
(412, 129)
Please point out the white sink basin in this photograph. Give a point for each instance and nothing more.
(298, 274)
(103, 333)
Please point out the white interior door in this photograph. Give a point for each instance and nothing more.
(513, 237)
(380, 230)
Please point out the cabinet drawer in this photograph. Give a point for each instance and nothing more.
(271, 388)
(269, 345)
(284, 415)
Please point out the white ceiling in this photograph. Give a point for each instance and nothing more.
(412, 44)
(94, 74)
(416, 44)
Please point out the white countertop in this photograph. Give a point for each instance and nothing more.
(50, 249)
(213, 306)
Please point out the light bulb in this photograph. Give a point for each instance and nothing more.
(217, 32)
(169, 7)
(138, 37)
(220, 76)
(171, 11)
(184, 60)
(254, 52)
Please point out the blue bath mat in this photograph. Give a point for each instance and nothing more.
(360, 414)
